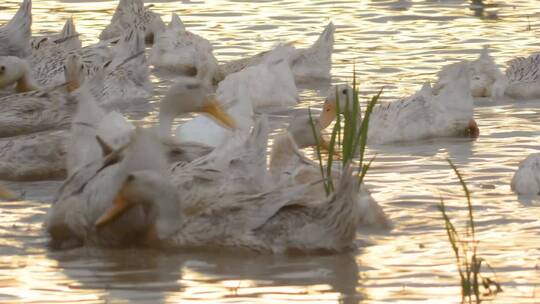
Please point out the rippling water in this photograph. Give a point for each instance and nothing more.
(395, 44)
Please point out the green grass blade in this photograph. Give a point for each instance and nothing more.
(318, 150)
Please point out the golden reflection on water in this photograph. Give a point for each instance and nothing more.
(395, 44)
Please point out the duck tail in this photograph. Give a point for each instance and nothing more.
(69, 33)
(316, 61)
(176, 23)
(19, 30)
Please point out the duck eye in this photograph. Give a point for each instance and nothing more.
(130, 178)
(344, 92)
(2, 69)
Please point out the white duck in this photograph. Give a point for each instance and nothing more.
(522, 77)
(133, 13)
(68, 37)
(43, 113)
(92, 187)
(126, 199)
(289, 166)
(42, 109)
(307, 64)
(15, 35)
(15, 71)
(420, 116)
(526, 180)
(129, 76)
(486, 78)
(177, 50)
(269, 83)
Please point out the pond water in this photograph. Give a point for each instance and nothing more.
(395, 44)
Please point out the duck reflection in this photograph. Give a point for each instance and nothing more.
(143, 275)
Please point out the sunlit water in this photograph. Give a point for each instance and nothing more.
(395, 44)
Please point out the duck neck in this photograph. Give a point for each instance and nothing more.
(165, 124)
(284, 150)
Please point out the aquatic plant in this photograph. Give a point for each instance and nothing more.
(474, 285)
(348, 138)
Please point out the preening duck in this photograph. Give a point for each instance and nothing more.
(178, 50)
(15, 35)
(307, 64)
(84, 189)
(426, 114)
(131, 201)
(130, 14)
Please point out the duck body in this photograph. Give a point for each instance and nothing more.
(15, 35)
(160, 214)
(37, 156)
(427, 114)
(176, 49)
(523, 77)
(68, 37)
(129, 76)
(133, 13)
(35, 111)
(526, 180)
(307, 64)
(486, 79)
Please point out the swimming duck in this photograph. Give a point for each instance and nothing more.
(307, 64)
(269, 83)
(48, 57)
(486, 80)
(93, 186)
(130, 76)
(177, 49)
(126, 200)
(185, 93)
(32, 157)
(289, 166)
(42, 109)
(15, 35)
(426, 114)
(133, 13)
(522, 77)
(68, 37)
(15, 71)
(526, 180)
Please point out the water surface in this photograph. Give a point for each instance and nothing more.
(395, 44)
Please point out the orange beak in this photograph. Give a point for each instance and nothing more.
(214, 109)
(119, 206)
(328, 115)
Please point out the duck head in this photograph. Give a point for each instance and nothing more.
(145, 185)
(343, 94)
(192, 95)
(74, 72)
(15, 70)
